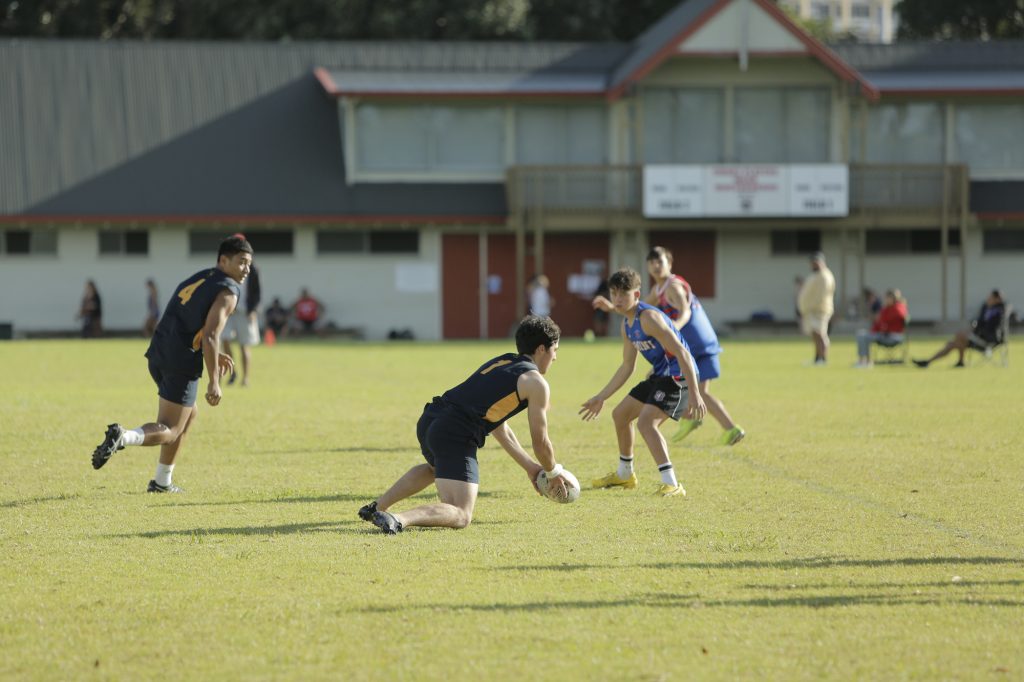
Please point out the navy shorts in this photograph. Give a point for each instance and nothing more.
(448, 446)
(665, 393)
(708, 367)
(174, 387)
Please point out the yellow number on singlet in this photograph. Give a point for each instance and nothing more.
(186, 293)
(497, 364)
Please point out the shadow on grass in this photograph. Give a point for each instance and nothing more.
(286, 529)
(822, 562)
(678, 601)
(881, 586)
(37, 500)
(307, 499)
(351, 448)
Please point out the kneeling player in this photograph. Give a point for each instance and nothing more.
(454, 425)
(662, 395)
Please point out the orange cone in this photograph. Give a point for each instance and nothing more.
(269, 337)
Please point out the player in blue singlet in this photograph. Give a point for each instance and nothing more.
(664, 394)
(186, 338)
(454, 425)
(672, 294)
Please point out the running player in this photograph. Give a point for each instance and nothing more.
(187, 336)
(454, 425)
(664, 394)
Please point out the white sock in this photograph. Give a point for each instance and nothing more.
(625, 467)
(163, 474)
(668, 474)
(133, 437)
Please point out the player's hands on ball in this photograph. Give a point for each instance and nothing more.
(557, 487)
(591, 408)
(225, 364)
(533, 472)
(213, 394)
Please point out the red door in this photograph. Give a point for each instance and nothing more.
(566, 255)
(460, 286)
(693, 257)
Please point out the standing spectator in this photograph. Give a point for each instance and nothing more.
(601, 314)
(276, 318)
(541, 302)
(91, 311)
(798, 284)
(816, 305)
(152, 309)
(307, 310)
(887, 328)
(243, 325)
(986, 330)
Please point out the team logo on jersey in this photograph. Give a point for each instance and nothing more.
(659, 396)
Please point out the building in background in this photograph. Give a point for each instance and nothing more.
(871, 21)
(420, 185)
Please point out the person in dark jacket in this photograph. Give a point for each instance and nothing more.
(985, 331)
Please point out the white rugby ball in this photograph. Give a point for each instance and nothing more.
(572, 487)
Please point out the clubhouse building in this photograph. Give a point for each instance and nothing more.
(420, 185)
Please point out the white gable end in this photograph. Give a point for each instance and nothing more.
(742, 21)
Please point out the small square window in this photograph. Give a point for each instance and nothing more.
(792, 242)
(341, 241)
(398, 241)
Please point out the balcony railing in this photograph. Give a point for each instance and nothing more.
(619, 189)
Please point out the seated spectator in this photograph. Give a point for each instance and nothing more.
(887, 329)
(307, 311)
(276, 317)
(986, 330)
(872, 304)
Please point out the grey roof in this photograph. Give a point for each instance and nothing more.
(941, 81)
(477, 83)
(649, 43)
(917, 56)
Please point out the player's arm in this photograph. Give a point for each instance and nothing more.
(217, 364)
(657, 326)
(592, 407)
(679, 298)
(652, 297)
(602, 303)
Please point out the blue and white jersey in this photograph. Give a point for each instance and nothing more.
(664, 363)
(700, 336)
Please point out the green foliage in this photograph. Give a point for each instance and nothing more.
(868, 527)
(961, 19)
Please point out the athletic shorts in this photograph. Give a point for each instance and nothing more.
(666, 393)
(240, 328)
(174, 387)
(708, 367)
(815, 323)
(448, 446)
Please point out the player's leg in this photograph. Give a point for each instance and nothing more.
(411, 482)
(246, 361)
(623, 416)
(186, 416)
(667, 401)
(455, 510)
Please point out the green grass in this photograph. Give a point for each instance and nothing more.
(868, 527)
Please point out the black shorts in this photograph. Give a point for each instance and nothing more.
(665, 393)
(448, 445)
(174, 387)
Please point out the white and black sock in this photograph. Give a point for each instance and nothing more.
(668, 474)
(625, 467)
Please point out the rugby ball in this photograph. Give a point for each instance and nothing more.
(572, 487)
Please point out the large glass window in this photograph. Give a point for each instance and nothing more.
(908, 241)
(393, 138)
(367, 241)
(683, 126)
(902, 133)
(998, 241)
(561, 135)
(782, 125)
(203, 242)
(990, 136)
(124, 242)
(28, 242)
(793, 242)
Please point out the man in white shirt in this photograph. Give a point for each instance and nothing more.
(816, 305)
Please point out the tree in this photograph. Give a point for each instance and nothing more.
(961, 19)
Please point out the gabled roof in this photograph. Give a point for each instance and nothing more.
(665, 38)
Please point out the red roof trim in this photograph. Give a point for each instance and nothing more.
(1004, 215)
(329, 86)
(468, 94)
(933, 92)
(253, 219)
(667, 49)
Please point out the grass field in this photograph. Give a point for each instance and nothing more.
(870, 527)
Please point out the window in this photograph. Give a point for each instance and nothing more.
(902, 133)
(427, 139)
(124, 242)
(205, 242)
(990, 136)
(860, 11)
(997, 241)
(363, 241)
(788, 125)
(28, 242)
(909, 241)
(560, 135)
(795, 242)
(683, 126)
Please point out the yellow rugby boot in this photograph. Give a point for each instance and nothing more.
(666, 490)
(612, 480)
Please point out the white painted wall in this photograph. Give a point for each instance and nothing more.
(42, 293)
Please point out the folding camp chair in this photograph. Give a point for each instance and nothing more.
(996, 352)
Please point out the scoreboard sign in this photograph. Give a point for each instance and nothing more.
(751, 191)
